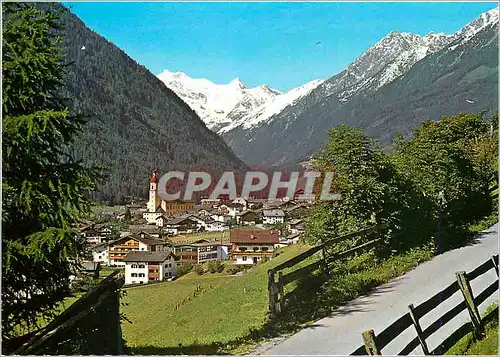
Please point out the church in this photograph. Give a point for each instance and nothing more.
(158, 207)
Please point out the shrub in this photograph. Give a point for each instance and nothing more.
(219, 266)
(184, 269)
(198, 269)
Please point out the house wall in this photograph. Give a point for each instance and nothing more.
(168, 269)
(245, 253)
(272, 220)
(249, 258)
(139, 269)
(101, 256)
(151, 217)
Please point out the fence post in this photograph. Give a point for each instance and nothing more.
(323, 257)
(416, 324)
(495, 265)
(271, 289)
(370, 344)
(463, 284)
(280, 294)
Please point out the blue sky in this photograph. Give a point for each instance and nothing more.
(263, 43)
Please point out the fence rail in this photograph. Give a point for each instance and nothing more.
(276, 288)
(373, 344)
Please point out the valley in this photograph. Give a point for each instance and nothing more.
(164, 214)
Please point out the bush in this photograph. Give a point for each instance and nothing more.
(184, 269)
(198, 269)
(215, 266)
(219, 266)
(233, 269)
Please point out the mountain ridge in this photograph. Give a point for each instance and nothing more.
(137, 123)
(298, 131)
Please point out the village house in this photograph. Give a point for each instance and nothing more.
(144, 267)
(221, 217)
(100, 253)
(180, 225)
(290, 239)
(119, 248)
(241, 201)
(96, 233)
(296, 211)
(205, 212)
(295, 225)
(273, 216)
(255, 203)
(151, 230)
(201, 251)
(210, 203)
(248, 246)
(234, 208)
(178, 206)
(152, 216)
(201, 224)
(160, 221)
(275, 203)
(248, 218)
(211, 225)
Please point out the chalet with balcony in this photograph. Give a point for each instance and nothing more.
(119, 248)
(248, 246)
(201, 251)
(96, 233)
(248, 217)
(180, 225)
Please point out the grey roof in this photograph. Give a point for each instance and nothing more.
(179, 220)
(296, 221)
(144, 256)
(273, 213)
(98, 247)
(135, 228)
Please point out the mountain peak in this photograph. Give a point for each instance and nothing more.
(486, 19)
(237, 83)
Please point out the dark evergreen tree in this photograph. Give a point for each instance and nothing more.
(43, 187)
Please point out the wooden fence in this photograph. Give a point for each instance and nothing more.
(89, 326)
(276, 288)
(373, 344)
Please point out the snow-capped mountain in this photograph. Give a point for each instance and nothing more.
(273, 106)
(217, 104)
(401, 79)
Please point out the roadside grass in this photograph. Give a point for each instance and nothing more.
(317, 296)
(217, 319)
(486, 346)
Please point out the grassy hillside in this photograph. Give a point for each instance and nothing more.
(217, 318)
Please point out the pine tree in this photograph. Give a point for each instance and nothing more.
(43, 187)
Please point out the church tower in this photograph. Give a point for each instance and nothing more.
(153, 192)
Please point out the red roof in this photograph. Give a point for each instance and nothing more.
(255, 236)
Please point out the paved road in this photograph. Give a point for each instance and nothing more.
(340, 334)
